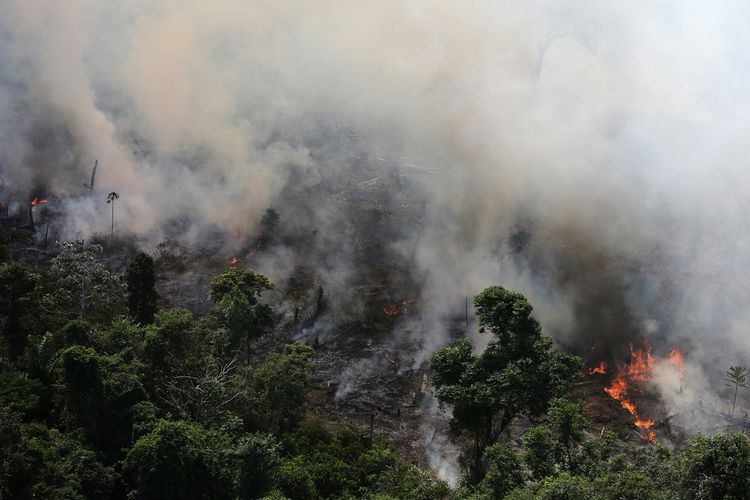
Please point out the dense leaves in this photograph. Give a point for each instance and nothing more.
(99, 403)
(515, 375)
(141, 282)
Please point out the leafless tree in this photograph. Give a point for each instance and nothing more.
(202, 396)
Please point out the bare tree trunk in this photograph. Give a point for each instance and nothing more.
(734, 403)
(112, 233)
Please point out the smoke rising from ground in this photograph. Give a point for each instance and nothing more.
(590, 156)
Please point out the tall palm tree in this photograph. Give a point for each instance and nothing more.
(736, 376)
(111, 197)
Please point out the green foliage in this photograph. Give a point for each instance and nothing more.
(236, 293)
(504, 471)
(107, 407)
(178, 460)
(539, 451)
(567, 422)
(258, 457)
(277, 388)
(43, 463)
(141, 282)
(714, 467)
(80, 283)
(19, 392)
(516, 374)
(249, 283)
(565, 487)
(333, 463)
(627, 485)
(18, 306)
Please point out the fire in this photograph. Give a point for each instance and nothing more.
(398, 308)
(253, 251)
(631, 377)
(676, 360)
(643, 423)
(37, 201)
(601, 369)
(234, 261)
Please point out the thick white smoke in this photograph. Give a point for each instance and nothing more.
(607, 138)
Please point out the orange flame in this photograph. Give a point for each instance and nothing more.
(398, 308)
(639, 370)
(643, 423)
(676, 359)
(37, 201)
(601, 369)
(234, 261)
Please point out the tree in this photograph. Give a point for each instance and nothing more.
(714, 467)
(539, 451)
(80, 280)
(568, 423)
(17, 304)
(141, 282)
(251, 284)
(736, 376)
(237, 292)
(258, 458)
(504, 471)
(517, 373)
(277, 390)
(178, 460)
(203, 396)
(111, 197)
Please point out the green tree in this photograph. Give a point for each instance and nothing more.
(628, 485)
(99, 394)
(714, 467)
(171, 347)
(251, 284)
(516, 374)
(736, 377)
(258, 457)
(17, 305)
(178, 460)
(277, 390)
(504, 472)
(565, 487)
(43, 463)
(141, 282)
(79, 280)
(237, 294)
(568, 423)
(539, 451)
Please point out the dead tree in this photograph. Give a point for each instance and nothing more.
(90, 187)
(202, 396)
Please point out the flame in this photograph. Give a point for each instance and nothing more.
(234, 261)
(601, 369)
(643, 423)
(398, 308)
(633, 375)
(258, 245)
(676, 360)
(37, 201)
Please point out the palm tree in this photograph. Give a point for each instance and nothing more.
(111, 197)
(736, 376)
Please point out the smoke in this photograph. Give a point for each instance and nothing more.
(591, 156)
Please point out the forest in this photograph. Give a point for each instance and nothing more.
(104, 394)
